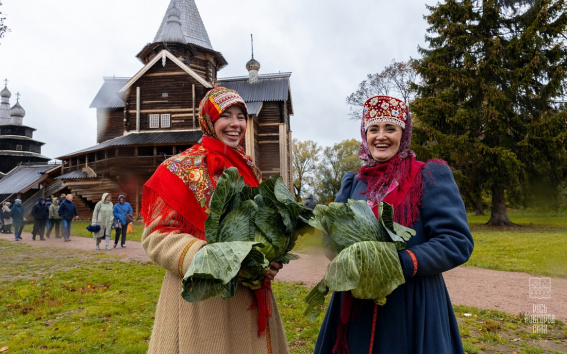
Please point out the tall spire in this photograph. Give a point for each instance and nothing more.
(173, 31)
(192, 25)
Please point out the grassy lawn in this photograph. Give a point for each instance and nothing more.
(79, 228)
(538, 246)
(68, 301)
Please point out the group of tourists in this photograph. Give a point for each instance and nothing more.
(48, 214)
(110, 217)
(57, 215)
(52, 213)
(417, 317)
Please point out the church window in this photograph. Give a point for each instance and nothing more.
(160, 121)
(154, 120)
(165, 120)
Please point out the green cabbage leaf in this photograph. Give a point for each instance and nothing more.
(367, 262)
(247, 229)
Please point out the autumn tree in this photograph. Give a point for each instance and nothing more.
(397, 79)
(305, 159)
(487, 100)
(337, 160)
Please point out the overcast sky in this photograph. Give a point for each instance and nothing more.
(58, 52)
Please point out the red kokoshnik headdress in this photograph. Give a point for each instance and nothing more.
(180, 190)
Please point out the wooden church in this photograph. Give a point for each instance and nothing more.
(144, 119)
(17, 145)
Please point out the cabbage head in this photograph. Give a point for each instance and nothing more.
(247, 229)
(367, 262)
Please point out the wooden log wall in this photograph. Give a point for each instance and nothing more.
(110, 124)
(9, 143)
(174, 82)
(204, 64)
(16, 130)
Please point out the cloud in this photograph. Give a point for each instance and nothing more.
(56, 56)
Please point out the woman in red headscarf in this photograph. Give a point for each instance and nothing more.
(418, 316)
(175, 206)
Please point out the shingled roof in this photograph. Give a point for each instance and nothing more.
(191, 24)
(269, 87)
(108, 95)
(24, 177)
(144, 139)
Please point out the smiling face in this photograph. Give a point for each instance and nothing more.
(383, 140)
(231, 126)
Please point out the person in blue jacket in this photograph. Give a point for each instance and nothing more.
(418, 316)
(67, 210)
(123, 212)
(18, 220)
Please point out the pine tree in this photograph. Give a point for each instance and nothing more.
(491, 75)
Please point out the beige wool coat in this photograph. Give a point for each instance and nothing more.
(211, 326)
(6, 209)
(103, 216)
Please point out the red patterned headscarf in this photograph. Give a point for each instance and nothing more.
(213, 104)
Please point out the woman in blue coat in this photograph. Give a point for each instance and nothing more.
(418, 316)
(123, 212)
(17, 215)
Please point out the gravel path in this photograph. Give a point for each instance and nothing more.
(482, 288)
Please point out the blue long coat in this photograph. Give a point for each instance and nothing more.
(418, 316)
(17, 214)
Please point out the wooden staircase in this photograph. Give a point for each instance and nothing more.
(88, 192)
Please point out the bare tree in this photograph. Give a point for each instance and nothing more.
(305, 159)
(337, 160)
(396, 79)
(3, 27)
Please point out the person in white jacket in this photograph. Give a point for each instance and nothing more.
(103, 216)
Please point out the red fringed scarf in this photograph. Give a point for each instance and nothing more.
(397, 182)
(263, 300)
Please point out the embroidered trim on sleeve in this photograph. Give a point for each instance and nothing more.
(182, 258)
(414, 261)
